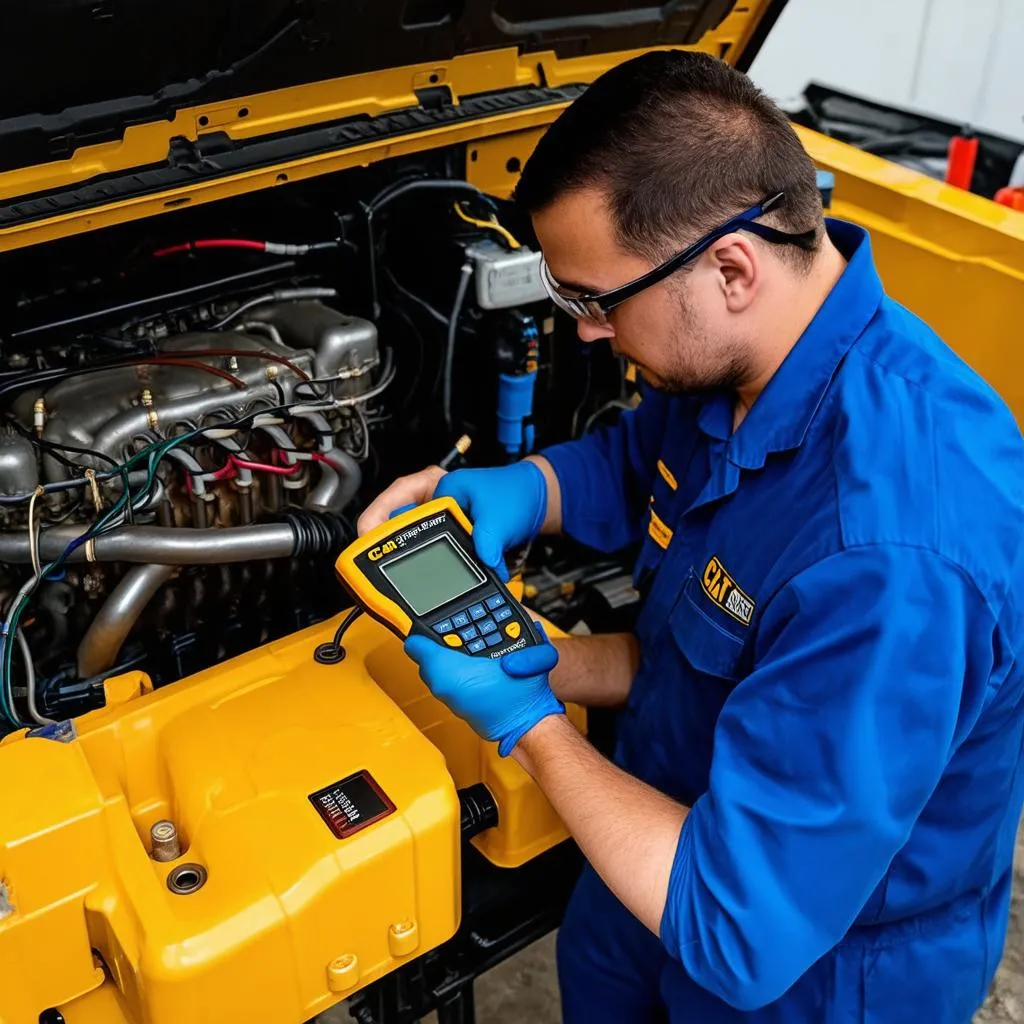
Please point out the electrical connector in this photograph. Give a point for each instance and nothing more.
(505, 279)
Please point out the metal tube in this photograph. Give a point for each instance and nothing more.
(110, 628)
(167, 545)
(340, 477)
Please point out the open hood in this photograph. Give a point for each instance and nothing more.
(80, 76)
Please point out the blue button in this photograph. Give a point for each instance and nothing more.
(468, 634)
(477, 611)
(443, 627)
(475, 646)
(488, 626)
(494, 639)
(460, 619)
(495, 601)
(503, 613)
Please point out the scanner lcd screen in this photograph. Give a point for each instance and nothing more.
(432, 575)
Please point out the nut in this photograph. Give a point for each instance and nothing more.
(164, 838)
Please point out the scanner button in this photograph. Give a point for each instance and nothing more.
(495, 601)
(476, 611)
(469, 633)
(502, 614)
(488, 626)
(513, 629)
(493, 639)
(460, 620)
(476, 646)
(444, 627)
(452, 640)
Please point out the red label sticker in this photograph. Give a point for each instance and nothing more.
(353, 803)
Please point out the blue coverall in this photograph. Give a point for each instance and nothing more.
(831, 634)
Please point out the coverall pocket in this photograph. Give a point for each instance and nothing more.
(708, 647)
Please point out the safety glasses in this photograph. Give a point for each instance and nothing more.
(595, 307)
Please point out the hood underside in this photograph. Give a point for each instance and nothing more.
(96, 89)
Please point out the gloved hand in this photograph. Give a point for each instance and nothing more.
(501, 698)
(507, 506)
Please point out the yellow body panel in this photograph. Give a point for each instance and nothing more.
(231, 755)
(954, 258)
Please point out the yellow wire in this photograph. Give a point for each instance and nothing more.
(490, 225)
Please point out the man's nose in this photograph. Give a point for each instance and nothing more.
(589, 331)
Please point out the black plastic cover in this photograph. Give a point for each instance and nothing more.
(77, 72)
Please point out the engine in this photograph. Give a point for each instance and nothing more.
(225, 456)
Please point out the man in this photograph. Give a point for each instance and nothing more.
(816, 785)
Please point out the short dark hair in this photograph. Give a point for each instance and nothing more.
(679, 142)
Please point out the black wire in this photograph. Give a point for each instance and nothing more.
(68, 514)
(50, 376)
(324, 397)
(400, 188)
(586, 395)
(392, 192)
(332, 653)
(414, 298)
(54, 449)
(421, 350)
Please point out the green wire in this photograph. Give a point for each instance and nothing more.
(153, 453)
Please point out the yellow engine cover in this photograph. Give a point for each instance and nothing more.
(291, 919)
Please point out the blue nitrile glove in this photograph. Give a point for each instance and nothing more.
(507, 506)
(501, 698)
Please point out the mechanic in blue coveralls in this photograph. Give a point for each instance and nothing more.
(813, 801)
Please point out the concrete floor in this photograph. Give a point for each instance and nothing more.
(1005, 1004)
(524, 989)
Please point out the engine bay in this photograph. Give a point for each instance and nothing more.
(195, 410)
(197, 406)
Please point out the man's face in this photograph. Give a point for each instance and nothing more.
(680, 333)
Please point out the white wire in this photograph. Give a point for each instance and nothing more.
(30, 681)
(8, 621)
(33, 537)
(453, 330)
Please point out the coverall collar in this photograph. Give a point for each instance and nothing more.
(783, 412)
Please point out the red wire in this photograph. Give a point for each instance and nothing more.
(263, 467)
(230, 469)
(193, 364)
(213, 243)
(238, 353)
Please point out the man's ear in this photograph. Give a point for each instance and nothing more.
(738, 264)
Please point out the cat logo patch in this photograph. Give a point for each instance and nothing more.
(722, 589)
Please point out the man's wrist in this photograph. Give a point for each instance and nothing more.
(541, 738)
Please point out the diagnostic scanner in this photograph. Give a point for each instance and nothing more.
(418, 573)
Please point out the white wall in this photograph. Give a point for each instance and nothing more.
(958, 59)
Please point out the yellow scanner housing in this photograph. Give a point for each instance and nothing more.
(376, 544)
(290, 919)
